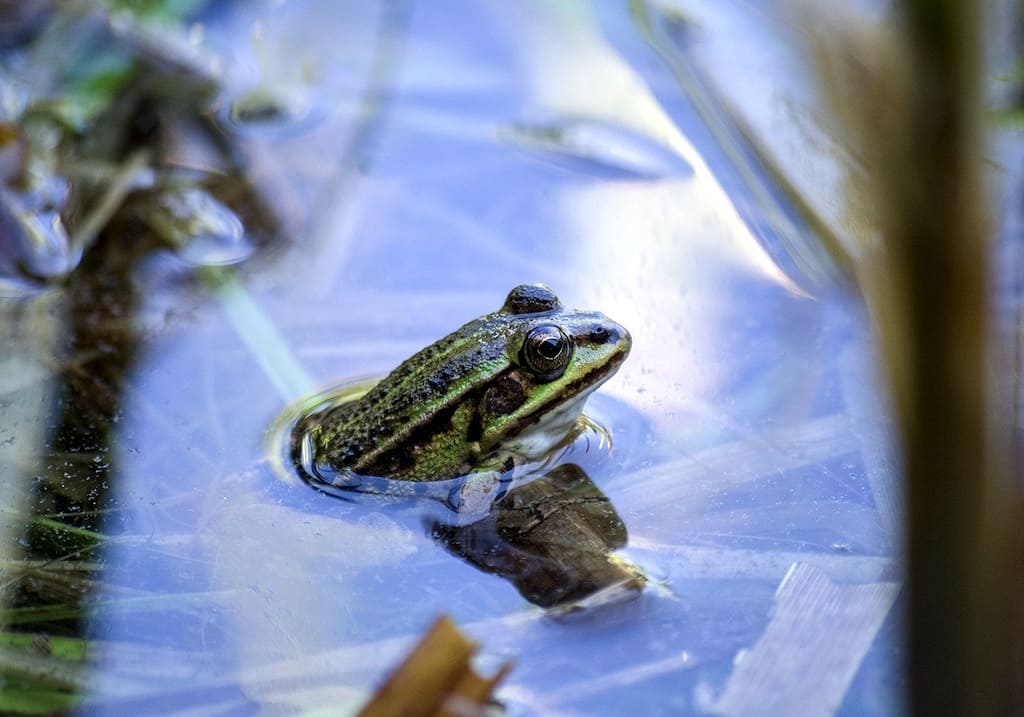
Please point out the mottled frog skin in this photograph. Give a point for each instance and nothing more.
(505, 387)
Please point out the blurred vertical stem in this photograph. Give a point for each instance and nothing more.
(909, 96)
(932, 292)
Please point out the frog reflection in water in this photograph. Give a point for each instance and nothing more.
(505, 388)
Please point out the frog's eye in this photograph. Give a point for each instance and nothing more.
(546, 352)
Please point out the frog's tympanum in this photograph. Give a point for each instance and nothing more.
(505, 388)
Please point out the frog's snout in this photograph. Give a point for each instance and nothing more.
(611, 338)
(618, 335)
(622, 340)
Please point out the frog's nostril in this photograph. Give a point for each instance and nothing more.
(603, 335)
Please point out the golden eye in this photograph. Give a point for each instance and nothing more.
(546, 352)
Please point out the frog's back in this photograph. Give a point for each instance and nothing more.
(413, 409)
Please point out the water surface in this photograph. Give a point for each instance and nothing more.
(416, 161)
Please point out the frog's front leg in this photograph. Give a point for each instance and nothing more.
(473, 497)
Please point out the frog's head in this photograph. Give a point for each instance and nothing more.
(557, 357)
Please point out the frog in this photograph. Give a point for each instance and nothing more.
(503, 390)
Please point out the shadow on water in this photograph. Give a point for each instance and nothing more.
(553, 539)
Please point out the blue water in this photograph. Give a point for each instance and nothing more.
(439, 154)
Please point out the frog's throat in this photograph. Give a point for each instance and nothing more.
(538, 438)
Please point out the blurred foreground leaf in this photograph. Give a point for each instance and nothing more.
(435, 679)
